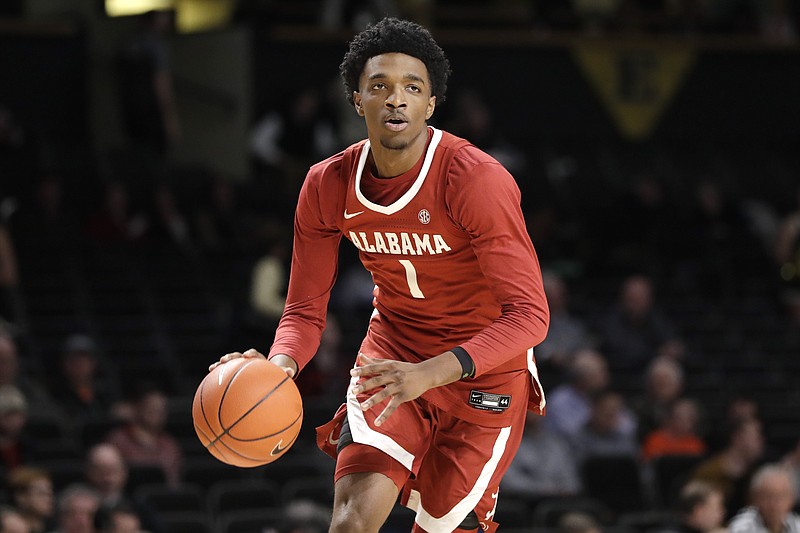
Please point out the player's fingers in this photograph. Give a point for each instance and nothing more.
(224, 359)
(375, 399)
(369, 384)
(252, 352)
(369, 366)
(387, 411)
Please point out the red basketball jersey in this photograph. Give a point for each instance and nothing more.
(447, 247)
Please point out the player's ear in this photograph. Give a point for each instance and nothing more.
(431, 107)
(357, 103)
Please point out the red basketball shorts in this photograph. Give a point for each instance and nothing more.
(444, 467)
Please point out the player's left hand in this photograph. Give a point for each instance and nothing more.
(401, 381)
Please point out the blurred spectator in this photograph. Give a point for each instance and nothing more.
(144, 440)
(36, 395)
(472, 118)
(119, 518)
(169, 224)
(664, 384)
(636, 331)
(567, 334)
(114, 220)
(11, 521)
(569, 406)
(32, 495)
(107, 473)
(700, 508)
(731, 468)
(268, 282)
(9, 276)
(286, 141)
(578, 522)
(147, 98)
(81, 390)
(738, 406)
(677, 434)
(544, 465)
(77, 505)
(771, 498)
(304, 516)
(219, 222)
(16, 448)
(604, 433)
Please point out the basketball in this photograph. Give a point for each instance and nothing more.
(247, 412)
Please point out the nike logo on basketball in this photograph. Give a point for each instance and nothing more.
(348, 216)
(277, 450)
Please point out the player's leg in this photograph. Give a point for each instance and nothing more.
(372, 464)
(362, 502)
(469, 460)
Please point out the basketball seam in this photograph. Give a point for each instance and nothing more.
(293, 422)
(259, 460)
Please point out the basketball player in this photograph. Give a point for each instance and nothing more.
(436, 406)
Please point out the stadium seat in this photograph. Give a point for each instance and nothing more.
(249, 521)
(318, 489)
(548, 512)
(614, 480)
(669, 474)
(167, 499)
(187, 522)
(242, 495)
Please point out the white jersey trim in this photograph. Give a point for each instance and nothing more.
(409, 195)
(451, 520)
(363, 434)
(535, 377)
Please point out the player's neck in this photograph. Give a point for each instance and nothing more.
(392, 162)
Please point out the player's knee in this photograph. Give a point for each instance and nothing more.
(348, 519)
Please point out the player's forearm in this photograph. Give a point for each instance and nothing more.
(442, 369)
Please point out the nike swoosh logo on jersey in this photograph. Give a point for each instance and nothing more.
(331, 440)
(278, 449)
(351, 215)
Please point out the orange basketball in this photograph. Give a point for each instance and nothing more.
(247, 412)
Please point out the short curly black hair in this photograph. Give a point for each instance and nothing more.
(393, 35)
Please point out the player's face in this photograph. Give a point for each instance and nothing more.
(394, 97)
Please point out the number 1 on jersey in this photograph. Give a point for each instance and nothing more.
(411, 278)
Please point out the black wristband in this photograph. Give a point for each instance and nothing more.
(467, 364)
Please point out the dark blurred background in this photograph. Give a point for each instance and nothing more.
(150, 163)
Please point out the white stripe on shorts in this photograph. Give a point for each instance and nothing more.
(535, 376)
(450, 521)
(363, 434)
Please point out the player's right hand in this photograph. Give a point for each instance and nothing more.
(251, 353)
(284, 361)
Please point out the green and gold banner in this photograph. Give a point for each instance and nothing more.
(635, 83)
